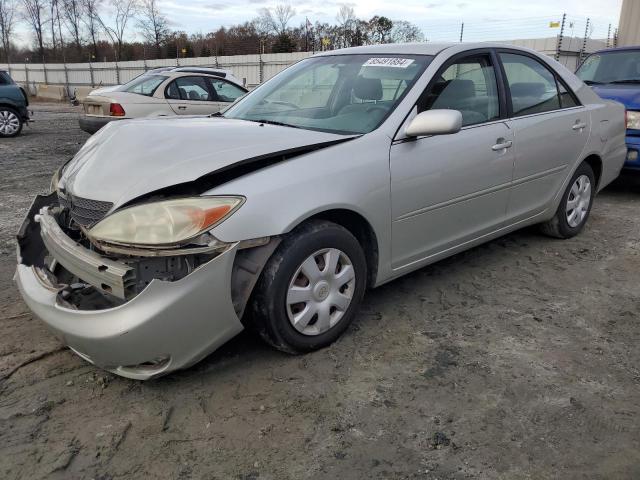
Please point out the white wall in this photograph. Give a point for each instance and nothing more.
(247, 67)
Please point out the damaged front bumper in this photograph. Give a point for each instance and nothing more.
(167, 326)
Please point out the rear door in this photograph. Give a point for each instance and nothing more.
(551, 130)
(191, 95)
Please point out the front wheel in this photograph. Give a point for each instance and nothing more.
(10, 122)
(574, 209)
(310, 289)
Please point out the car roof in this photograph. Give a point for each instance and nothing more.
(422, 48)
(393, 48)
(618, 49)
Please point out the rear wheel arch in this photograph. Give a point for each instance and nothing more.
(595, 162)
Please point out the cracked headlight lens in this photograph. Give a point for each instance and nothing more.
(168, 222)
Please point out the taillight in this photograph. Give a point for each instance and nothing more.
(116, 110)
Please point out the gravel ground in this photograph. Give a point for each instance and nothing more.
(517, 359)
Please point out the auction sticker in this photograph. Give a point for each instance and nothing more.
(388, 62)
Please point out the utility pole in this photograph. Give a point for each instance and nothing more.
(560, 37)
(461, 31)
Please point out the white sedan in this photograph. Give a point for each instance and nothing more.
(174, 91)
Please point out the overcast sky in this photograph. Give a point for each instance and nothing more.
(480, 16)
(440, 20)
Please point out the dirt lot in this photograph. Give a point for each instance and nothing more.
(517, 359)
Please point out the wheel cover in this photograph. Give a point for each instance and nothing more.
(9, 122)
(320, 291)
(578, 201)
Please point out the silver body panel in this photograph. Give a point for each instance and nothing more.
(424, 199)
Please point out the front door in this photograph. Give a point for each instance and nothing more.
(447, 190)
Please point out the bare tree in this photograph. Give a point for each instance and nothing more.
(91, 19)
(403, 32)
(53, 10)
(34, 15)
(275, 20)
(7, 22)
(72, 13)
(346, 19)
(123, 12)
(153, 25)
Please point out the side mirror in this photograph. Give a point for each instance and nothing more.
(435, 122)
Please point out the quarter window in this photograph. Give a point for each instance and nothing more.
(533, 87)
(469, 85)
(189, 88)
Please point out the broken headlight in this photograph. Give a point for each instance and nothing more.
(164, 223)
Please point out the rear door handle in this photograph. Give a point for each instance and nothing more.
(182, 107)
(579, 125)
(502, 145)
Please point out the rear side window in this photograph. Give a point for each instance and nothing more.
(4, 79)
(533, 87)
(469, 85)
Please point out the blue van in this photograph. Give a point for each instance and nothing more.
(615, 74)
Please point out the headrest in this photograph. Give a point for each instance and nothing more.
(460, 88)
(367, 88)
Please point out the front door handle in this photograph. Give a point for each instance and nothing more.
(501, 145)
(182, 107)
(579, 125)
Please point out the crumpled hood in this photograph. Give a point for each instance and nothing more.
(129, 158)
(628, 95)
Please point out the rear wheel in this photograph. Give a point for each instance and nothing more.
(10, 122)
(574, 209)
(310, 289)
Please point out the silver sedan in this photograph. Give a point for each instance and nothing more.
(163, 238)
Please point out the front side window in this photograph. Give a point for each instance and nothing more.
(189, 88)
(143, 85)
(611, 67)
(341, 94)
(533, 87)
(225, 91)
(469, 85)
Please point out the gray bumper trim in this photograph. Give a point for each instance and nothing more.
(102, 273)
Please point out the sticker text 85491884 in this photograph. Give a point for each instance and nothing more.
(388, 62)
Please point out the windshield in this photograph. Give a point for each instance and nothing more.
(343, 94)
(611, 67)
(143, 85)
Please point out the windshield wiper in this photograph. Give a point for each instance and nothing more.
(629, 80)
(273, 122)
(217, 114)
(593, 82)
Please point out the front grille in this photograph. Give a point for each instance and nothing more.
(84, 211)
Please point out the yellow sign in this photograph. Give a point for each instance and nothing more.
(554, 24)
(326, 41)
(184, 50)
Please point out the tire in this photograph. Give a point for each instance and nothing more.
(10, 123)
(565, 224)
(274, 311)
